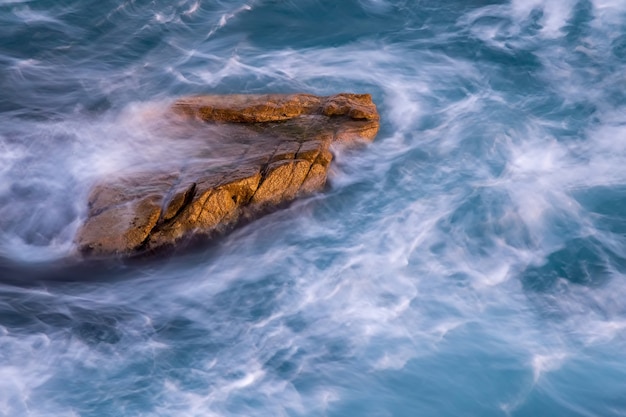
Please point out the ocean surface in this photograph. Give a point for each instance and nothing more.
(469, 262)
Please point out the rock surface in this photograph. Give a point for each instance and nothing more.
(261, 151)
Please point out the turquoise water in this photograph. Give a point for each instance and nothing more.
(470, 262)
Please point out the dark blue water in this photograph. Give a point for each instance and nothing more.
(470, 262)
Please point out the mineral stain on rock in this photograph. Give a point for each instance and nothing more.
(265, 150)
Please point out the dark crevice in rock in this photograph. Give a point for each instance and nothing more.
(175, 202)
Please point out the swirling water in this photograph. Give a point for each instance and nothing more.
(471, 261)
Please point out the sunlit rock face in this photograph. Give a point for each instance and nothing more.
(256, 153)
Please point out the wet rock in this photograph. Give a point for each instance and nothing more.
(261, 152)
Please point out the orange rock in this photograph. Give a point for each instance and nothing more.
(276, 148)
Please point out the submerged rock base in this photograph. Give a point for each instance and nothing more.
(261, 151)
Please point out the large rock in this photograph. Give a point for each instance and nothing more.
(261, 151)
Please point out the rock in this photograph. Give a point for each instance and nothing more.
(261, 151)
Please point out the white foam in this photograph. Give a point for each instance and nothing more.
(29, 15)
(556, 14)
(226, 17)
(192, 9)
(542, 364)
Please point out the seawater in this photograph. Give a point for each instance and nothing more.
(470, 262)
